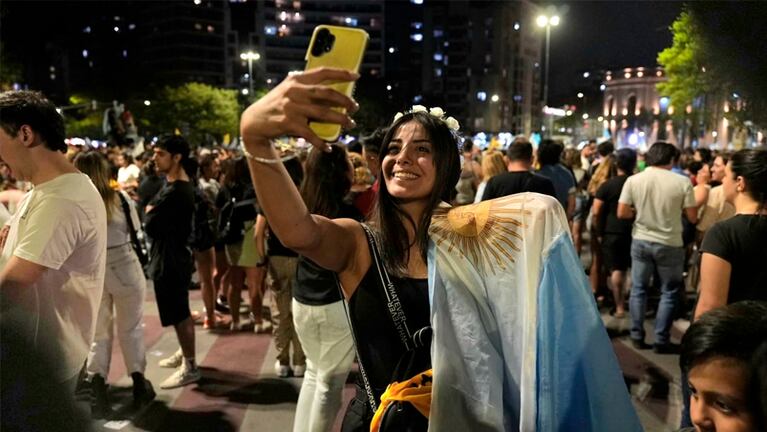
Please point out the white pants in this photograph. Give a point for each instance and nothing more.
(123, 302)
(327, 342)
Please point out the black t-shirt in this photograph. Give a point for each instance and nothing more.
(609, 223)
(740, 241)
(511, 183)
(169, 225)
(315, 286)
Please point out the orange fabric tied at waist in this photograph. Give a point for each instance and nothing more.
(416, 391)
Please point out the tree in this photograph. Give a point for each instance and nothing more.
(202, 113)
(717, 53)
(82, 120)
(10, 70)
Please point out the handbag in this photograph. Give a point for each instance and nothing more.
(406, 403)
(138, 247)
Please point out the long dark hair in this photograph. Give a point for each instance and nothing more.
(388, 216)
(751, 164)
(327, 181)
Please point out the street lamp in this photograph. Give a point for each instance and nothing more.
(547, 22)
(250, 56)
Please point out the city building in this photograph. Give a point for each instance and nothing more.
(187, 41)
(283, 29)
(478, 60)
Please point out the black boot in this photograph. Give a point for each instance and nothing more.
(143, 392)
(100, 403)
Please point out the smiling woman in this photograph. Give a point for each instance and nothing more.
(391, 269)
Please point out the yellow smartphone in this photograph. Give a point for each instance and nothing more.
(338, 47)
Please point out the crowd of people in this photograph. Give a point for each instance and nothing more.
(343, 237)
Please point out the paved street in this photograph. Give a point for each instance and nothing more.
(239, 390)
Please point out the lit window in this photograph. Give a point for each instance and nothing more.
(517, 98)
(418, 2)
(87, 29)
(283, 16)
(417, 37)
(481, 96)
(391, 50)
(375, 23)
(117, 29)
(283, 31)
(85, 53)
(297, 5)
(416, 25)
(351, 21)
(488, 59)
(417, 98)
(131, 26)
(211, 29)
(437, 56)
(270, 30)
(197, 26)
(197, 2)
(516, 26)
(438, 72)
(438, 33)
(125, 53)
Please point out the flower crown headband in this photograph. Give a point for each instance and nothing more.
(437, 112)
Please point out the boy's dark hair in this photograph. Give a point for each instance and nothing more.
(372, 143)
(18, 108)
(661, 153)
(550, 152)
(520, 150)
(733, 331)
(705, 155)
(605, 149)
(626, 160)
(174, 144)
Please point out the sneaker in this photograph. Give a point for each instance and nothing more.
(222, 306)
(173, 361)
(236, 326)
(181, 377)
(143, 392)
(282, 371)
(262, 327)
(299, 370)
(640, 344)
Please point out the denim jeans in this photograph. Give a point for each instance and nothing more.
(647, 258)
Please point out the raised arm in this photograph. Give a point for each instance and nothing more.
(286, 110)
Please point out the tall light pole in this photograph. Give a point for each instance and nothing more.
(250, 56)
(547, 22)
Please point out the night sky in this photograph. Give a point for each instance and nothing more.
(604, 35)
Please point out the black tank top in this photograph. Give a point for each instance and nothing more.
(378, 344)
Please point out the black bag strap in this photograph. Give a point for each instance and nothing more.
(131, 228)
(395, 310)
(392, 299)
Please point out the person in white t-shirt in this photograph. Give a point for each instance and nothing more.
(128, 173)
(54, 247)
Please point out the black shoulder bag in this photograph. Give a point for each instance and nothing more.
(138, 247)
(398, 415)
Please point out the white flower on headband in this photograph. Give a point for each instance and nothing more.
(452, 124)
(437, 112)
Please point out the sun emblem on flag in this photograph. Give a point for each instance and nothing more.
(486, 234)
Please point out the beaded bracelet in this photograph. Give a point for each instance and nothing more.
(267, 161)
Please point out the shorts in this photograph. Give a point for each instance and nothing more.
(581, 207)
(245, 253)
(172, 294)
(616, 252)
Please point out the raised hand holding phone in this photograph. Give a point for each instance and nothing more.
(288, 108)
